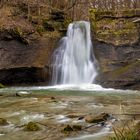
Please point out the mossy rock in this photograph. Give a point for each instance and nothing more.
(32, 126)
(72, 128)
(113, 27)
(18, 34)
(47, 25)
(1, 85)
(116, 31)
(77, 127)
(68, 128)
(40, 29)
(3, 122)
(57, 15)
(99, 14)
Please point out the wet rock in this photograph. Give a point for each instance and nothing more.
(97, 119)
(32, 126)
(23, 93)
(53, 98)
(74, 115)
(3, 122)
(77, 127)
(70, 128)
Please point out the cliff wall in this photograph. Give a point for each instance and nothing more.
(117, 47)
(27, 44)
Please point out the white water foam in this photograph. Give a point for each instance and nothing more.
(70, 87)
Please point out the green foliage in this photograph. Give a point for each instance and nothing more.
(48, 26)
(40, 29)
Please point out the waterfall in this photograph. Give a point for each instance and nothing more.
(73, 60)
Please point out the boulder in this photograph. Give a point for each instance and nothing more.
(3, 122)
(71, 128)
(32, 126)
(97, 119)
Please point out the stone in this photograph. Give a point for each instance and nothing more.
(32, 126)
(97, 119)
(71, 128)
(77, 127)
(3, 122)
(67, 128)
(23, 93)
(53, 98)
(75, 115)
(119, 66)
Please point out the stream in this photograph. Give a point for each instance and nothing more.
(53, 108)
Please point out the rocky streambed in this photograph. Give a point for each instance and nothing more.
(56, 114)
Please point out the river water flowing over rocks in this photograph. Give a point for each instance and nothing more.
(65, 112)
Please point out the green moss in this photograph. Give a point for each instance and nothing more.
(32, 126)
(66, 22)
(40, 29)
(97, 14)
(68, 128)
(48, 25)
(77, 127)
(19, 35)
(17, 32)
(116, 31)
(111, 22)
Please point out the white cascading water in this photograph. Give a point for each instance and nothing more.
(74, 61)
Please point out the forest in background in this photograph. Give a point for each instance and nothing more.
(75, 9)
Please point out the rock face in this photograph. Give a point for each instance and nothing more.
(117, 49)
(21, 63)
(27, 44)
(25, 63)
(119, 67)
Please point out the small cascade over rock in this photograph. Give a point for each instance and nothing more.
(73, 60)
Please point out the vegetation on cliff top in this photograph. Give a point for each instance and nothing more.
(41, 17)
(116, 27)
